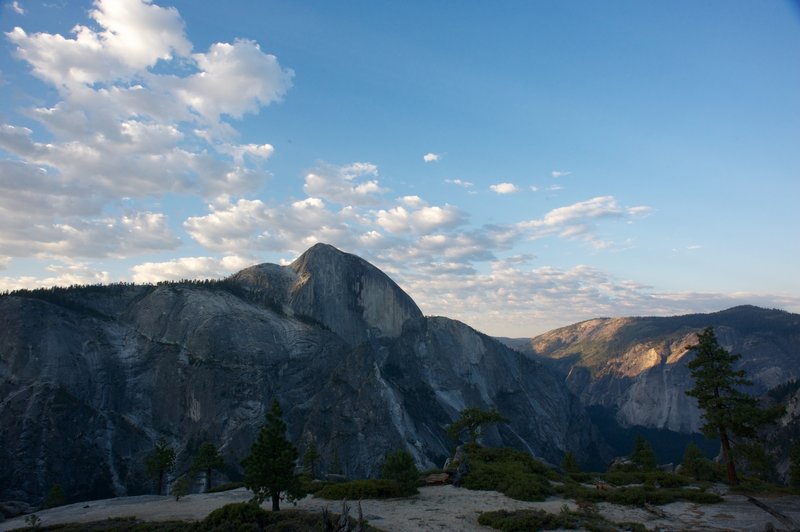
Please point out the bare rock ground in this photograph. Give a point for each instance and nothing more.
(444, 508)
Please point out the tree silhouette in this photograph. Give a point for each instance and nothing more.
(728, 411)
(269, 469)
(473, 420)
(207, 460)
(160, 461)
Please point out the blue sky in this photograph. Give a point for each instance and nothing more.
(516, 165)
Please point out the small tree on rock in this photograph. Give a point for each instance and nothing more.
(728, 411)
(208, 460)
(474, 420)
(269, 469)
(696, 465)
(160, 462)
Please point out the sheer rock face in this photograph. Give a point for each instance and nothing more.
(91, 377)
(638, 366)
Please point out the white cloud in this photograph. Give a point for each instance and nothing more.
(459, 182)
(558, 173)
(122, 129)
(416, 216)
(4, 262)
(577, 221)
(189, 268)
(534, 188)
(555, 187)
(344, 185)
(504, 188)
(431, 157)
(18, 9)
(64, 274)
(233, 79)
(134, 36)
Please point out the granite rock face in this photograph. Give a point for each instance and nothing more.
(638, 366)
(91, 377)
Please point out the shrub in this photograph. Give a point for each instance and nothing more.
(400, 467)
(362, 489)
(236, 516)
(513, 473)
(525, 520)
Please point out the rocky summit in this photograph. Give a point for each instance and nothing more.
(91, 377)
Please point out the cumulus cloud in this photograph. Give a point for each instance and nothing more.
(346, 185)
(431, 157)
(252, 225)
(558, 173)
(17, 8)
(189, 268)
(421, 219)
(122, 128)
(504, 188)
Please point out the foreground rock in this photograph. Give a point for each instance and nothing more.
(437, 508)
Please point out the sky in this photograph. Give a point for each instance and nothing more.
(516, 165)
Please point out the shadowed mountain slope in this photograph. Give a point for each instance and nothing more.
(91, 377)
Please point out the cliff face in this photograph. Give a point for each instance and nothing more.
(638, 366)
(91, 377)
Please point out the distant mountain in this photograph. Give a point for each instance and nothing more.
(636, 367)
(91, 377)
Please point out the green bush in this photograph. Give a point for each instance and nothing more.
(636, 496)
(526, 520)
(373, 488)
(236, 516)
(399, 466)
(513, 473)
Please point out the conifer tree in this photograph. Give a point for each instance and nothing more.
(207, 460)
(311, 458)
(269, 469)
(570, 464)
(728, 411)
(473, 420)
(400, 467)
(160, 461)
(643, 454)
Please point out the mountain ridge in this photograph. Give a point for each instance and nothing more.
(354, 363)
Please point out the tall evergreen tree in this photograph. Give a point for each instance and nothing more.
(311, 459)
(643, 454)
(207, 460)
(728, 411)
(269, 469)
(160, 461)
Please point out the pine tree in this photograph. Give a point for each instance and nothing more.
(311, 458)
(473, 420)
(400, 467)
(728, 411)
(207, 460)
(269, 469)
(643, 454)
(794, 465)
(569, 464)
(160, 461)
